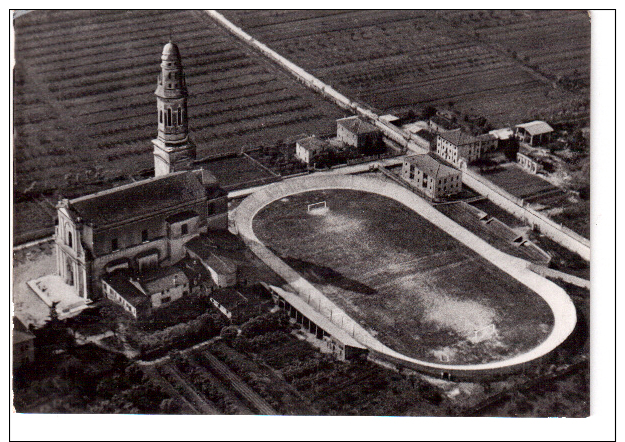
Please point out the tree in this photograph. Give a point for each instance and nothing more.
(229, 333)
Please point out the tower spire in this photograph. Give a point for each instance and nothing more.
(173, 150)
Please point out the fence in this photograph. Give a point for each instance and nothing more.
(559, 233)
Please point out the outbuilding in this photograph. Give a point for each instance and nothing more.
(355, 132)
(306, 149)
(533, 133)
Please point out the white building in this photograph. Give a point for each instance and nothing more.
(306, 149)
(458, 146)
(431, 176)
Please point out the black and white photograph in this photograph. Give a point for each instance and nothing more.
(302, 212)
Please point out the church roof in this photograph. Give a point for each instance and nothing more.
(138, 199)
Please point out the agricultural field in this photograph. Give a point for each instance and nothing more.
(519, 183)
(237, 171)
(507, 66)
(84, 108)
(564, 207)
(414, 287)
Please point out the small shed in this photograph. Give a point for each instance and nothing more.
(533, 133)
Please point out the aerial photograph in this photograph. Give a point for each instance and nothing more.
(301, 212)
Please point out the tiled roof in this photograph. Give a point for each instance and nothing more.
(536, 127)
(120, 282)
(209, 255)
(458, 138)
(356, 125)
(313, 144)
(444, 122)
(138, 199)
(431, 166)
(316, 317)
(162, 279)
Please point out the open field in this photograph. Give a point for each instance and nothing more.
(236, 170)
(84, 106)
(414, 287)
(520, 183)
(507, 66)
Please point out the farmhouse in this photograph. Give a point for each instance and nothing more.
(306, 149)
(140, 295)
(355, 132)
(457, 147)
(488, 142)
(533, 133)
(439, 123)
(431, 176)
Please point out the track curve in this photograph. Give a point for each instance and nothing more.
(561, 305)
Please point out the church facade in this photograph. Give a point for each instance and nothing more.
(143, 225)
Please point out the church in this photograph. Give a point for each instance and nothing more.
(143, 226)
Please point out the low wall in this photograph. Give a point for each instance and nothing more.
(396, 134)
(545, 271)
(557, 299)
(562, 235)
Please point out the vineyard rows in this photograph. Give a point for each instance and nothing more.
(84, 94)
(478, 60)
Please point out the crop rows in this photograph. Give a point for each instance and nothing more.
(84, 94)
(480, 61)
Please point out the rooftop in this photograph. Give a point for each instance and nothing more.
(431, 165)
(458, 138)
(444, 122)
(142, 198)
(536, 127)
(356, 125)
(317, 317)
(163, 278)
(210, 256)
(120, 282)
(313, 144)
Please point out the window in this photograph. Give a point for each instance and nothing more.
(169, 117)
(70, 242)
(160, 116)
(179, 116)
(165, 299)
(184, 229)
(144, 235)
(114, 244)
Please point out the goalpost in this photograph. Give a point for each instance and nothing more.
(317, 206)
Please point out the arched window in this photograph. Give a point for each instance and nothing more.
(160, 116)
(169, 116)
(179, 116)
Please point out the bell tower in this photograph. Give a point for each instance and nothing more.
(173, 149)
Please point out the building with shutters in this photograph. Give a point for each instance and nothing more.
(430, 176)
